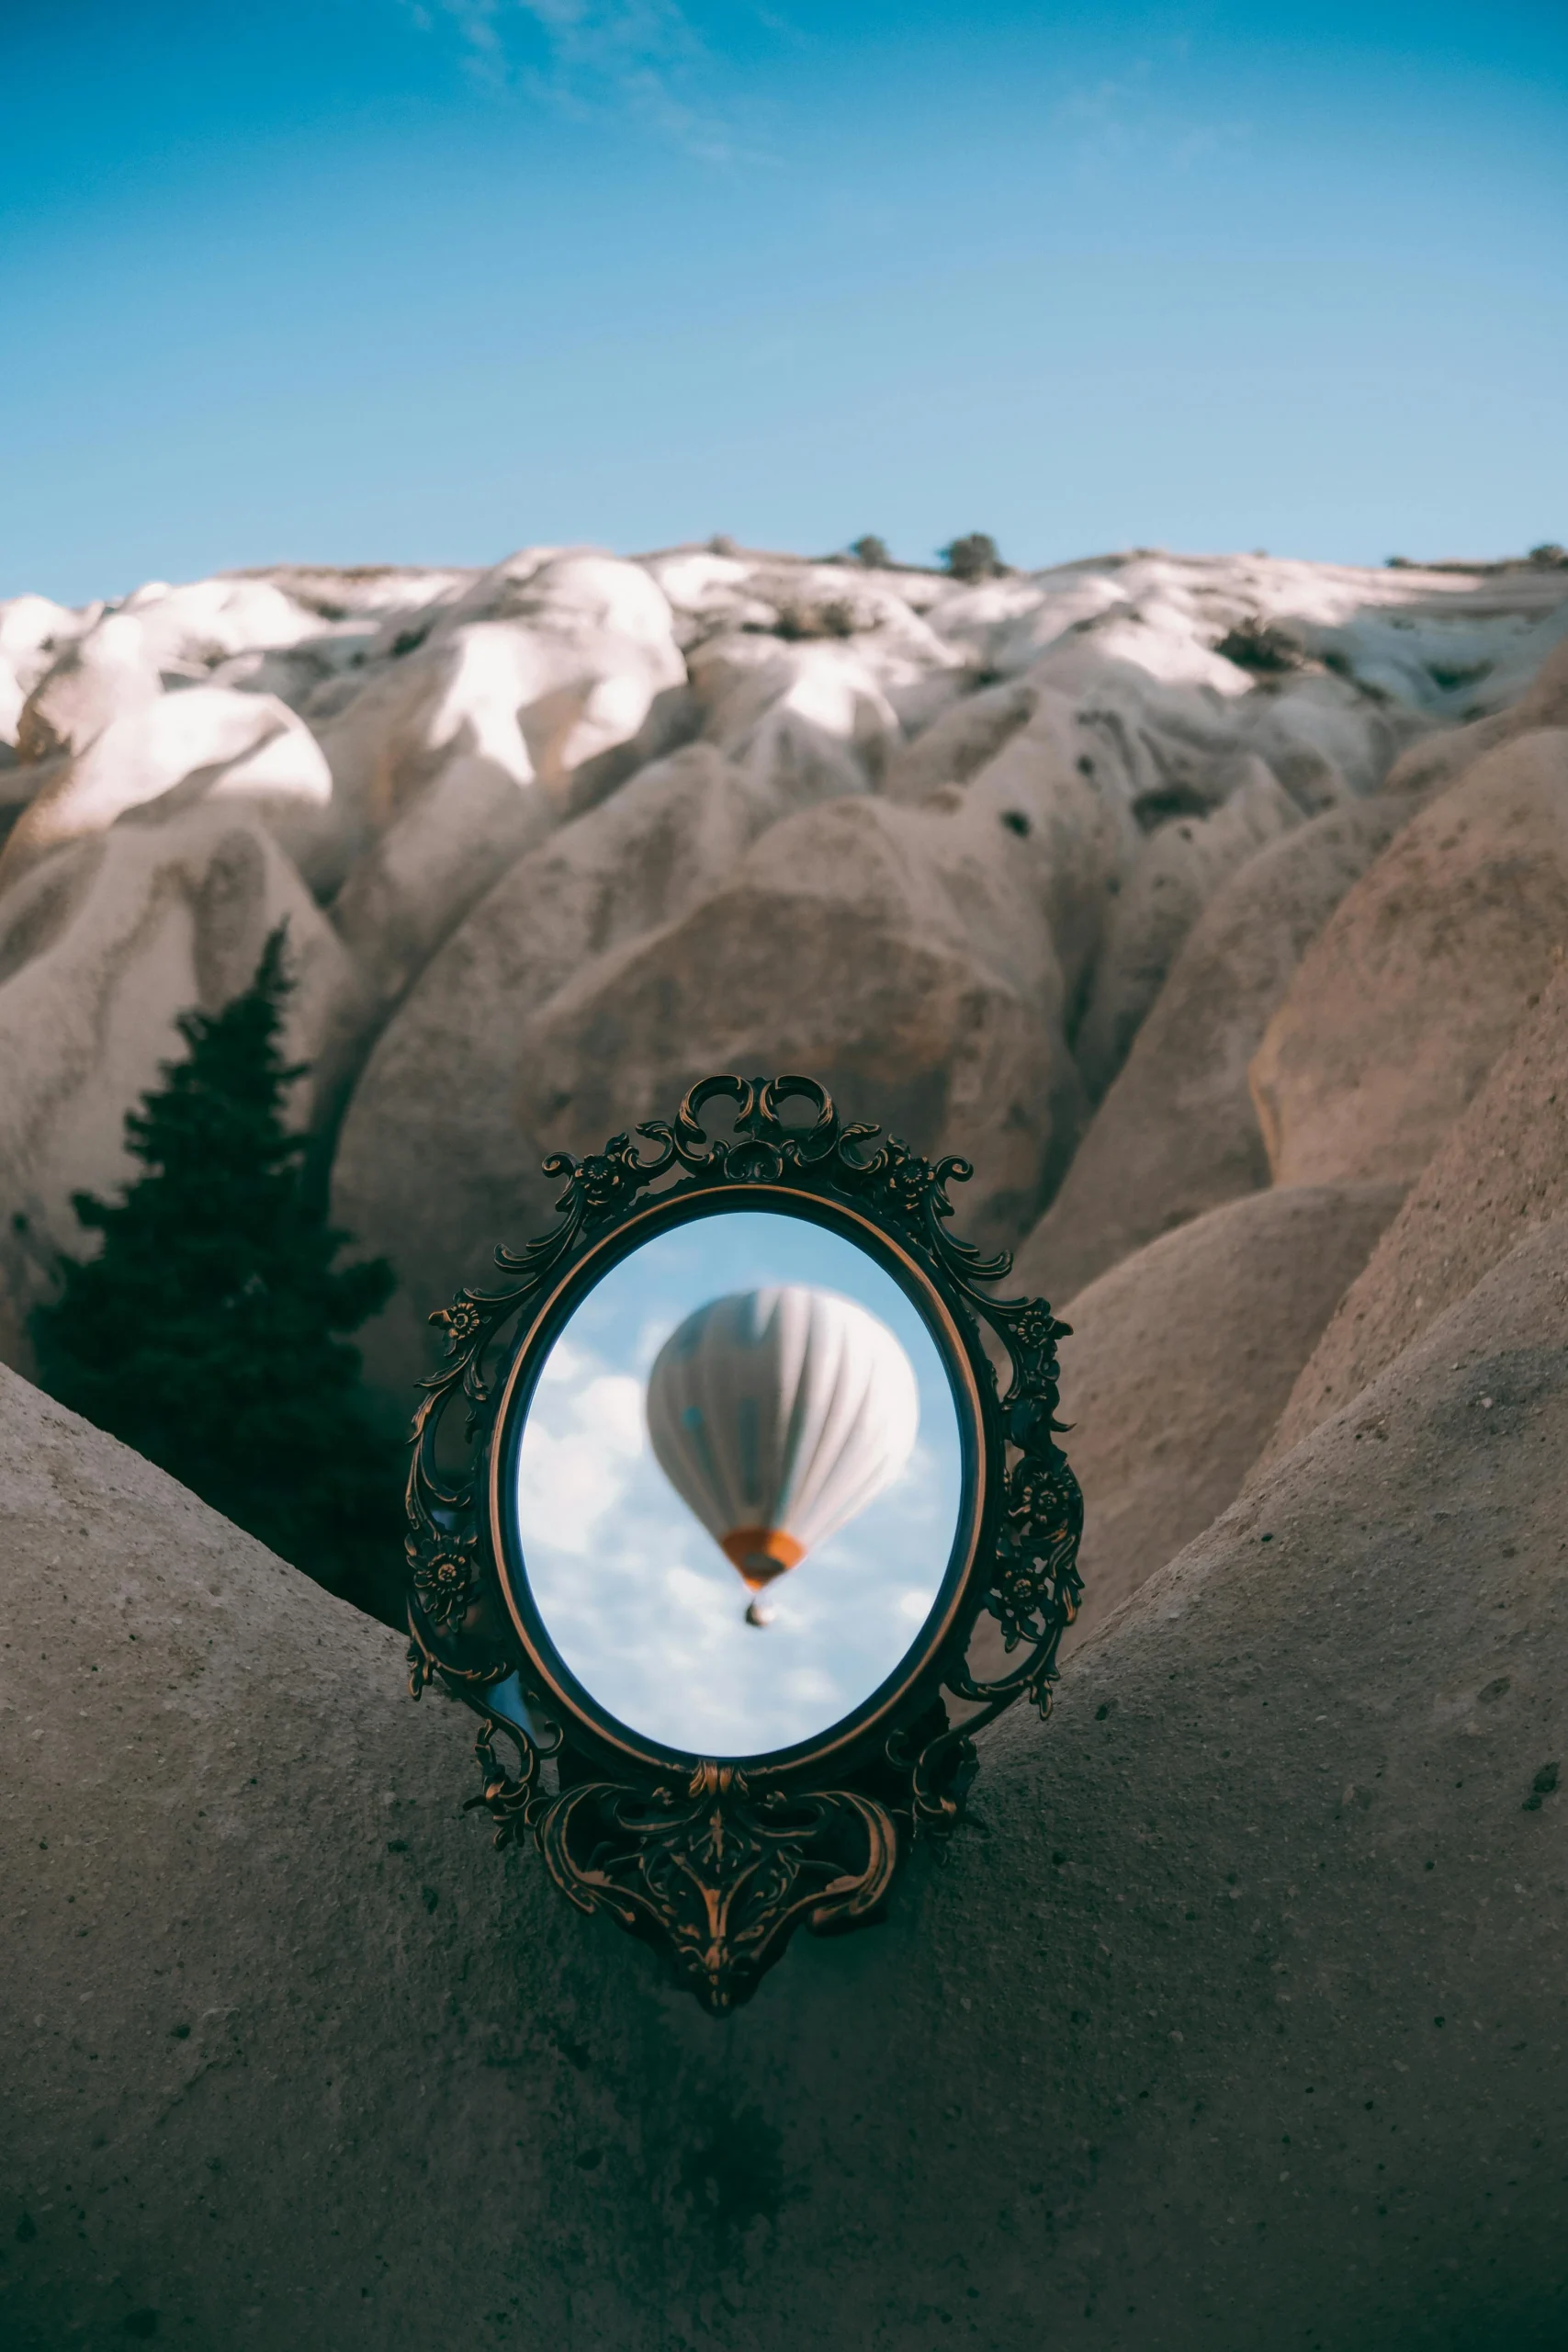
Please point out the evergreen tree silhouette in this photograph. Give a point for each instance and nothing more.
(206, 1332)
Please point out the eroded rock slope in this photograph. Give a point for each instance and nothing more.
(1238, 2017)
(555, 837)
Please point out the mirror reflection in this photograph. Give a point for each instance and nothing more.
(738, 1483)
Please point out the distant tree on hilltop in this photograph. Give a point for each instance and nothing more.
(973, 556)
(205, 1332)
(1255, 644)
(871, 551)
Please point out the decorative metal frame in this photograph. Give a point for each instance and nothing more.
(717, 1862)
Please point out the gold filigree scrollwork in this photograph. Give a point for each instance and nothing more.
(719, 1867)
(717, 1871)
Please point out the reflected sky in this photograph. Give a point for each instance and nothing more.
(638, 1598)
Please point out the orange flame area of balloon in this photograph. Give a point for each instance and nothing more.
(761, 1553)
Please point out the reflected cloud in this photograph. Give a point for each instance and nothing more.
(643, 1606)
(584, 1429)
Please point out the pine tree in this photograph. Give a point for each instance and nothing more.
(205, 1332)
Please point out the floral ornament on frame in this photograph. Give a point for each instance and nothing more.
(713, 1860)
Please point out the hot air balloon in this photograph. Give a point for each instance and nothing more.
(776, 1415)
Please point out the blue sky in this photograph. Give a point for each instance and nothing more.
(353, 280)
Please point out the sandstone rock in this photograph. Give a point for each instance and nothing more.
(189, 628)
(459, 758)
(1010, 624)
(204, 743)
(707, 591)
(817, 698)
(1440, 759)
(575, 592)
(413, 887)
(433, 1163)
(1156, 2049)
(1167, 731)
(961, 740)
(1142, 639)
(1180, 1359)
(106, 674)
(1177, 1134)
(1455, 657)
(536, 673)
(1315, 730)
(1052, 772)
(800, 723)
(32, 631)
(1501, 1169)
(1402, 1003)
(1180, 868)
(898, 955)
(1436, 760)
(1437, 642)
(108, 665)
(1065, 788)
(101, 946)
(466, 716)
(19, 786)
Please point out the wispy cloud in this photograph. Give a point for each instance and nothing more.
(594, 60)
(1132, 115)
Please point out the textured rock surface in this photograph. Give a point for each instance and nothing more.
(1441, 759)
(105, 674)
(456, 759)
(102, 945)
(1403, 1002)
(209, 742)
(433, 1157)
(1178, 1132)
(1502, 1169)
(898, 955)
(1059, 785)
(35, 634)
(1240, 2021)
(1183, 866)
(579, 826)
(1180, 1359)
(1236, 2017)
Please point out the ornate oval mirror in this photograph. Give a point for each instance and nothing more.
(747, 1540)
(739, 1483)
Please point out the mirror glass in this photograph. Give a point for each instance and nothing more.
(738, 1483)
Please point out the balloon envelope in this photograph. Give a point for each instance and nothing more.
(776, 1415)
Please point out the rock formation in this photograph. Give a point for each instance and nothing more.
(1442, 757)
(573, 828)
(1417, 981)
(1178, 1132)
(103, 945)
(1501, 1170)
(1180, 1359)
(1213, 908)
(1236, 2017)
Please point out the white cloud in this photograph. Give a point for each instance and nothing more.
(566, 1484)
(593, 60)
(581, 1437)
(565, 1365)
(640, 1601)
(612, 1404)
(1137, 114)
